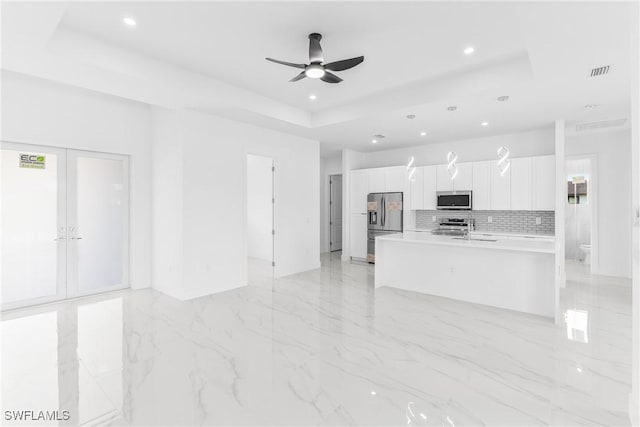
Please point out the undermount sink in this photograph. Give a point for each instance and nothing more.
(475, 239)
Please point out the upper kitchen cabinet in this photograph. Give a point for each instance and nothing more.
(358, 191)
(416, 190)
(543, 188)
(377, 180)
(443, 179)
(481, 195)
(395, 179)
(387, 180)
(429, 185)
(500, 188)
(521, 185)
(464, 179)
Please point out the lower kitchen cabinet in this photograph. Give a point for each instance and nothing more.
(358, 236)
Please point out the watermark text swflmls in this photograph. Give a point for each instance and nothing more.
(31, 415)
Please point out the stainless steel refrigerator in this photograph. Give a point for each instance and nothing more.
(384, 216)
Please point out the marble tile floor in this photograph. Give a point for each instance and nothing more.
(321, 348)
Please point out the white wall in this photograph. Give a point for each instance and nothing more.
(37, 111)
(212, 201)
(328, 166)
(259, 208)
(613, 183)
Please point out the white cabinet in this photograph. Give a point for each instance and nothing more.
(416, 190)
(500, 188)
(443, 179)
(358, 191)
(377, 180)
(395, 179)
(521, 184)
(429, 186)
(358, 235)
(462, 182)
(386, 180)
(464, 179)
(481, 196)
(544, 183)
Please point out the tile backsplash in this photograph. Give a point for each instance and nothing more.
(502, 221)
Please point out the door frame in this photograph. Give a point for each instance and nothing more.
(331, 210)
(62, 288)
(593, 207)
(245, 219)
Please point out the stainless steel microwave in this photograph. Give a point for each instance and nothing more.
(458, 200)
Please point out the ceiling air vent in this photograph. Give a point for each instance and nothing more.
(583, 127)
(600, 71)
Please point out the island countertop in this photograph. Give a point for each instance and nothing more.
(510, 243)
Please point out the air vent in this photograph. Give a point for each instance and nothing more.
(378, 136)
(600, 71)
(583, 127)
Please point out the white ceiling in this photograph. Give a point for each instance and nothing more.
(209, 56)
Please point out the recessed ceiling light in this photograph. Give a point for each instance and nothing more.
(503, 98)
(452, 108)
(313, 97)
(484, 124)
(469, 50)
(129, 21)
(423, 133)
(374, 141)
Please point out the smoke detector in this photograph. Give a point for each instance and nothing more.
(600, 71)
(452, 108)
(411, 116)
(602, 124)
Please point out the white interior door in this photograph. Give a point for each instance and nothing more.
(65, 223)
(33, 224)
(335, 212)
(98, 222)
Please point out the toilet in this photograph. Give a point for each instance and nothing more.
(586, 254)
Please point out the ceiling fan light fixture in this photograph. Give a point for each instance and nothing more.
(314, 71)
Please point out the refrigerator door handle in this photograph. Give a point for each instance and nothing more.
(384, 211)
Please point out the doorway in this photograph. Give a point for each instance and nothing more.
(335, 213)
(580, 213)
(260, 217)
(65, 223)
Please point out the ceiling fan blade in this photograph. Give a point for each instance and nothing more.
(330, 78)
(315, 50)
(300, 76)
(345, 64)
(290, 64)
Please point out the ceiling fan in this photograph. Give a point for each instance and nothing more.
(316, 69)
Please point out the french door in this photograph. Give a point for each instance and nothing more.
(65, 223)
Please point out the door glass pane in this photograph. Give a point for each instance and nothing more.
(100, 223)
(29, 225)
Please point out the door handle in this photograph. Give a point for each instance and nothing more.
(75, 238)
(59, 238)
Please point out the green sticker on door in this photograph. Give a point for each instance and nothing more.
(32, 161)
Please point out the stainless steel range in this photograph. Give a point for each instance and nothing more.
(455, 227)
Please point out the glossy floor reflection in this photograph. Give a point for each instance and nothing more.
(322, 348)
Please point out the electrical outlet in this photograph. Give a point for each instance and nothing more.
(489, 219)
(433, 219)
(538, 220)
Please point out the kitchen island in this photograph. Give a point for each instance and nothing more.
(516, 273)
